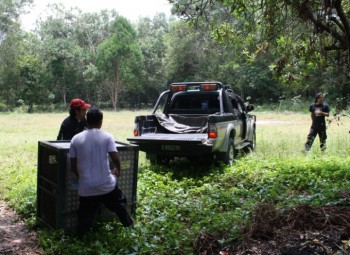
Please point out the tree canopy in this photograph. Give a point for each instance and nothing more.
(302, 38)
(266, 50)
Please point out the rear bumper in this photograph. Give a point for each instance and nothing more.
(173, 146)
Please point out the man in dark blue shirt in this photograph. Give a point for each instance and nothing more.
(319, 110)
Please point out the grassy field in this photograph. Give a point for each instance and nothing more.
(285, 135)
(278, 135)
(174, 202)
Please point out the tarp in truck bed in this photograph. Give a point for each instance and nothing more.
(183, 124)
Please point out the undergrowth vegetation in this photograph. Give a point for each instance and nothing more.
(190, 207)
(180, 208)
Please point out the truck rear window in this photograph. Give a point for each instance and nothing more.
(195, 103)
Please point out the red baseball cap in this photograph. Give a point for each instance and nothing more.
(78, 103)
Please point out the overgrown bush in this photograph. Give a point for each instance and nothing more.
(181, 211)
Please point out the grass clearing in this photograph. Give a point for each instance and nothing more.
(184, 204)
(284, 135)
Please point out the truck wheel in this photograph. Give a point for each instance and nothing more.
(163, 160)
(160, 160)
(252, 143)
(230, 153)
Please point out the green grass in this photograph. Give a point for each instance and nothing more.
(284, 135)
(183, 205)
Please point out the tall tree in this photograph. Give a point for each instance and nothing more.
(90, 30)
(192, 54)
(10, 49)
(119, 60)
(10, 11)
(151, 39)
(32, 76)
(11, 39)
(62, 53)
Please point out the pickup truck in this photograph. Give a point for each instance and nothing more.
(196, 119)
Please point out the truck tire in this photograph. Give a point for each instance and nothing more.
(252, 143)
(163, 160)
(160, 160)
(230, 153)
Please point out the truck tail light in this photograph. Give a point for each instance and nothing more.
(212, 132)
(177, 88)
(136, 130)
(209, 87)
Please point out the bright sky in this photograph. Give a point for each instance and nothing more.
(130, 9)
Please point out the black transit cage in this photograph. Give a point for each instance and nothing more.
(57, 190)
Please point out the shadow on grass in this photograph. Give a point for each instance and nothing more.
(182, 168)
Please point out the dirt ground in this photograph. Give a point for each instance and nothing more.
(301, 230)
(15, 238)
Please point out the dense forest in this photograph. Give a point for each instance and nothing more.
(266, 50)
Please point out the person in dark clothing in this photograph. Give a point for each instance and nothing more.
(75, 122)
(89, 153)
(319, 110)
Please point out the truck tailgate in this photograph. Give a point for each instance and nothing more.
(163, 138)
(173, 144)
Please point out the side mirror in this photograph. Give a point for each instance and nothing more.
(250, 107)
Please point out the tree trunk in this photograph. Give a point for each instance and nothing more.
(64, 95)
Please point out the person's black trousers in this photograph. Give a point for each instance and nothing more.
(322, 134)
(88, 207)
